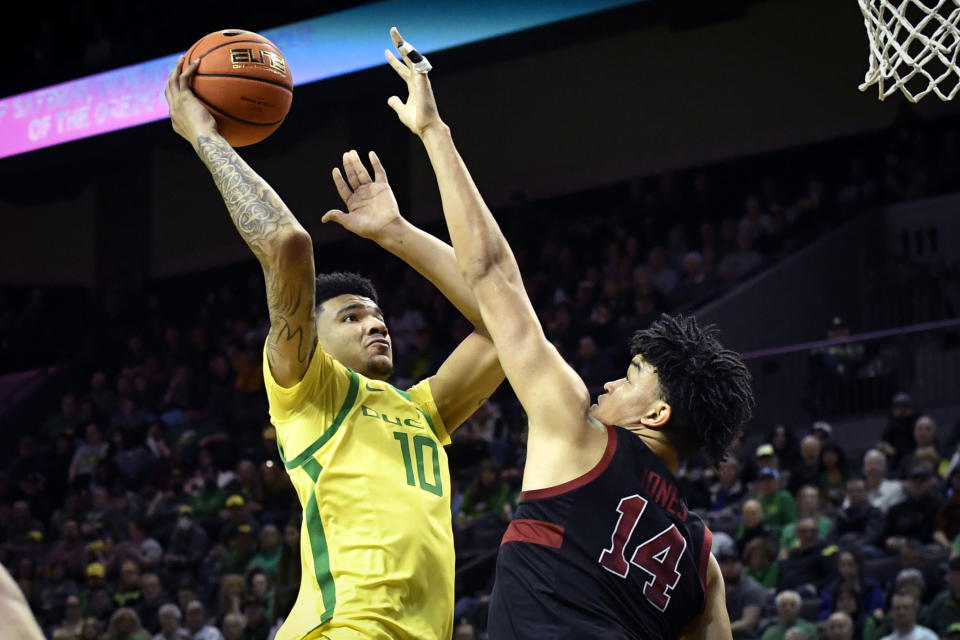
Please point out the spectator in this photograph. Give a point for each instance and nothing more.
(849, 602)
(87, 456)
(788, 616)
(944, 611)
(234, 627)
(807, 469)
(254, 611)
(897, 438)
(785, 446)
(125, 625)
(808, 506)
(924, 437)
(850, 570)
(464, 631)
(840, 627)
(779, 507)
(728, 492)
(72, 623)
(140, 547)
(808, 566)
(261, 589)
(881, 492)
(153, 599)
(833, 473)
(859, 524)
(489, 495)
(91, 629)
(197, 623)
(752, 526)
(71, 551)
(745, 596)
(913, 518)
(268, 558)
(761, 555)
(188, 543)
(903, 615)
(128, 592)
(169, 617)
(233, 591)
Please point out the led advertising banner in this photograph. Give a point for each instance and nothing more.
(315, 49)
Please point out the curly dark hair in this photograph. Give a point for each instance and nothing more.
(707, 386)
(331, 285)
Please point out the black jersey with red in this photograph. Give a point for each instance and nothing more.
(612, 554)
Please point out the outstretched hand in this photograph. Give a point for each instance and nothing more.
(371, 205)
(419, 113)
(189, 117)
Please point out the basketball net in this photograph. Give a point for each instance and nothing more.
(913, 47)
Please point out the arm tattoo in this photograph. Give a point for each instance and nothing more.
(260, 217)
(256, 210)
(283, 301)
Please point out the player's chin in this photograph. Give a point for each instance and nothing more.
(381, 365)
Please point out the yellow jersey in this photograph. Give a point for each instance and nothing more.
(376, 543)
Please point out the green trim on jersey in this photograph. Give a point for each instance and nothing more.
(403, 394)
(313, 469)
(429, 422)
(321, 556)
(307, 454)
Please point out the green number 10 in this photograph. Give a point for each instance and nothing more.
(419, 444)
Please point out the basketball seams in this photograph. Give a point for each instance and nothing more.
(233, 117)
(243, 77)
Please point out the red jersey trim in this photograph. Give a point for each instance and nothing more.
(705, 557)
(576, 483)
(546, 534)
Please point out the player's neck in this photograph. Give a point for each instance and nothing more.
(658, 443)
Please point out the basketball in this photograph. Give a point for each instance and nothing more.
(244, 81)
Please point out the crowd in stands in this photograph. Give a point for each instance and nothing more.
(151, 502)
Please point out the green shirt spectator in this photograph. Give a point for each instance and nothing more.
(779, 507)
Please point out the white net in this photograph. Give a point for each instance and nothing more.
(913, 47)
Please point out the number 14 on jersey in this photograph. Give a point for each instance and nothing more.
(658, 556)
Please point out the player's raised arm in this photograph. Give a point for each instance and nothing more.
(472, 372)
(279, 242)
(553, 395)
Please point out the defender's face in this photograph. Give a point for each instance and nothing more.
(628, 399)
(351, 328)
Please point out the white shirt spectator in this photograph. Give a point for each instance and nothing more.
(917, 633)
(889, 493)
(211, 633)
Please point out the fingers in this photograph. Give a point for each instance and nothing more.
(341, 184)
(172, 79)
(356, 173)
(402, 69)
(395, 103)
(187, 75)
(379, 173)
(334, 215)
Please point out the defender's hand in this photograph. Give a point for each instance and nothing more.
(371, 206)
(189, 117)
(419, 113)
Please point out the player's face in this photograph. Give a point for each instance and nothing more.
(631, 399)
(352, 330)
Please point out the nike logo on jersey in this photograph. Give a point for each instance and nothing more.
(413, 423)
(369, 388)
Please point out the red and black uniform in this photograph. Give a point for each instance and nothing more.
(612, 554)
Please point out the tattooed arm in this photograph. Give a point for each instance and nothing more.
(279, 242)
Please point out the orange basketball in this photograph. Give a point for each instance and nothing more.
(244, 81)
